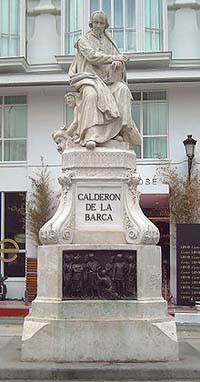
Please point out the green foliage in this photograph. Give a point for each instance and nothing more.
(184, 194)
(40, 206)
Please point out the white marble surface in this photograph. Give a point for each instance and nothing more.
(99, 206)
(104, 171)
(106, 340)
(99, 330)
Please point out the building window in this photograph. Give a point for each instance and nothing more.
(73, 23)
(135, 25)
(153, 25)
(13, 227)
(122, 21)
(12, 28)
(150, 113)
(13, 128)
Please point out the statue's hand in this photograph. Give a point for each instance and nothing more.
(116, 64)
(121, 57)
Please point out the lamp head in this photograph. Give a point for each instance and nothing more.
(189, 144)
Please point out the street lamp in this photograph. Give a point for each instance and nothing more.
(189, 144)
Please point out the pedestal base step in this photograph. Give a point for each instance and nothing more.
(99, 340)
(186, 369)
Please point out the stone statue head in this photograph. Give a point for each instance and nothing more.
(70, 99)
(60, 137)
(98, 22)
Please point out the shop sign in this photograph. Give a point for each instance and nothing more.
(151, 181)
(14, 249)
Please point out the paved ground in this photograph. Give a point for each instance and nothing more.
(11, 368)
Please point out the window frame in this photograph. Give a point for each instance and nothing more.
(85, 22)
(22, 28)
(124, 29)
(4, 139)
(22, 31)
(141, 102)
(140, 26)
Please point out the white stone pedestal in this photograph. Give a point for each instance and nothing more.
(99, 210)
(99, 330)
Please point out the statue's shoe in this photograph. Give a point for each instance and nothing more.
(90, 145)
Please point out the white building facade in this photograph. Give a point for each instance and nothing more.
(37, 40)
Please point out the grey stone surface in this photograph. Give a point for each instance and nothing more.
(186, 369)
(183, 318)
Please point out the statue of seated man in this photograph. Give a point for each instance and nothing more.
(98, 75)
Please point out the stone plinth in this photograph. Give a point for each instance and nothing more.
(99, 330)
(123, 319)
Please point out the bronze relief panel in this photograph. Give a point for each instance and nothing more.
(99, 274)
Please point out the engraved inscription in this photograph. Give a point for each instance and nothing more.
(99, 206)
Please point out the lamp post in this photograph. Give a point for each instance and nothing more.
(189, 144)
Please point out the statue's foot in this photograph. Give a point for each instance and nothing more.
(90, 145)
(118, 138)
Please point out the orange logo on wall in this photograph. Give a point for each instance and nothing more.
(9, 250)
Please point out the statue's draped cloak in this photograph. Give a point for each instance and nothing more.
(104, 105)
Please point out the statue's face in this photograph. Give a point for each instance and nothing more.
(98, 24)
(60, 141)
(70, 101)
